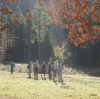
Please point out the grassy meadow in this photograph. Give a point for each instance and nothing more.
(18, 86)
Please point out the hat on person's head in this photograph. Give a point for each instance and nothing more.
(36, 60)
(31, 62)
(43, 62)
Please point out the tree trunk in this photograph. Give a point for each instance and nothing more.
(60, 73)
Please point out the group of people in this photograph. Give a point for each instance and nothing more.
(33, 67)
(54, 70)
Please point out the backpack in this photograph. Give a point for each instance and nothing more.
(35, 65)
(28, 66)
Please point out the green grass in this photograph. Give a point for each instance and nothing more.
(18, 86)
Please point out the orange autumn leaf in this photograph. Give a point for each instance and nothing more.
(81, 46)
(63, 25)
(96, 27)
(30, 17)
(16, 22)
(92, 8)
(2, 9)
(3, 29)
(80, 30)
(28, 10)
(66, 26)
(1, 20)
(17, 16)
(75, 43)
(81, 40)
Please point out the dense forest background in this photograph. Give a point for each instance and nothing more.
(38, 40)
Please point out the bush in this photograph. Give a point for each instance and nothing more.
(95, 72)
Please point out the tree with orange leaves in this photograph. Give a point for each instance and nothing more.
(5, 10)
(81, 17)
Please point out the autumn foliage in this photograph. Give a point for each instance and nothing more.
(81, 17)
(29, 14)
(5, 9)
(14, 2)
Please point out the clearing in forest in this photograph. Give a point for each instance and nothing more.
(18, 86)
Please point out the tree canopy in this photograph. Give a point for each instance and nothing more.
(41, 26)
(81, 17)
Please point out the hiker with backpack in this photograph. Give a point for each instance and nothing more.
(29, 67)
(36, 68)
(43, 67)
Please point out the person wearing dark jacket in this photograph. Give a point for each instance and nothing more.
(36, 68)
(12, 64)
(43, 70)
(29, 67)
(49, 70)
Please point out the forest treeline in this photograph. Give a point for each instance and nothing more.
(40, 39)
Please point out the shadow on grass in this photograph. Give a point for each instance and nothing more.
(93, 94)
(65, 87)
(55, 82)
(63, 84)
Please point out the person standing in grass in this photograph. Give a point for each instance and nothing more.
(36, 67)
(29, 67)
(12, 65)
(43, 70)
(49, 70)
